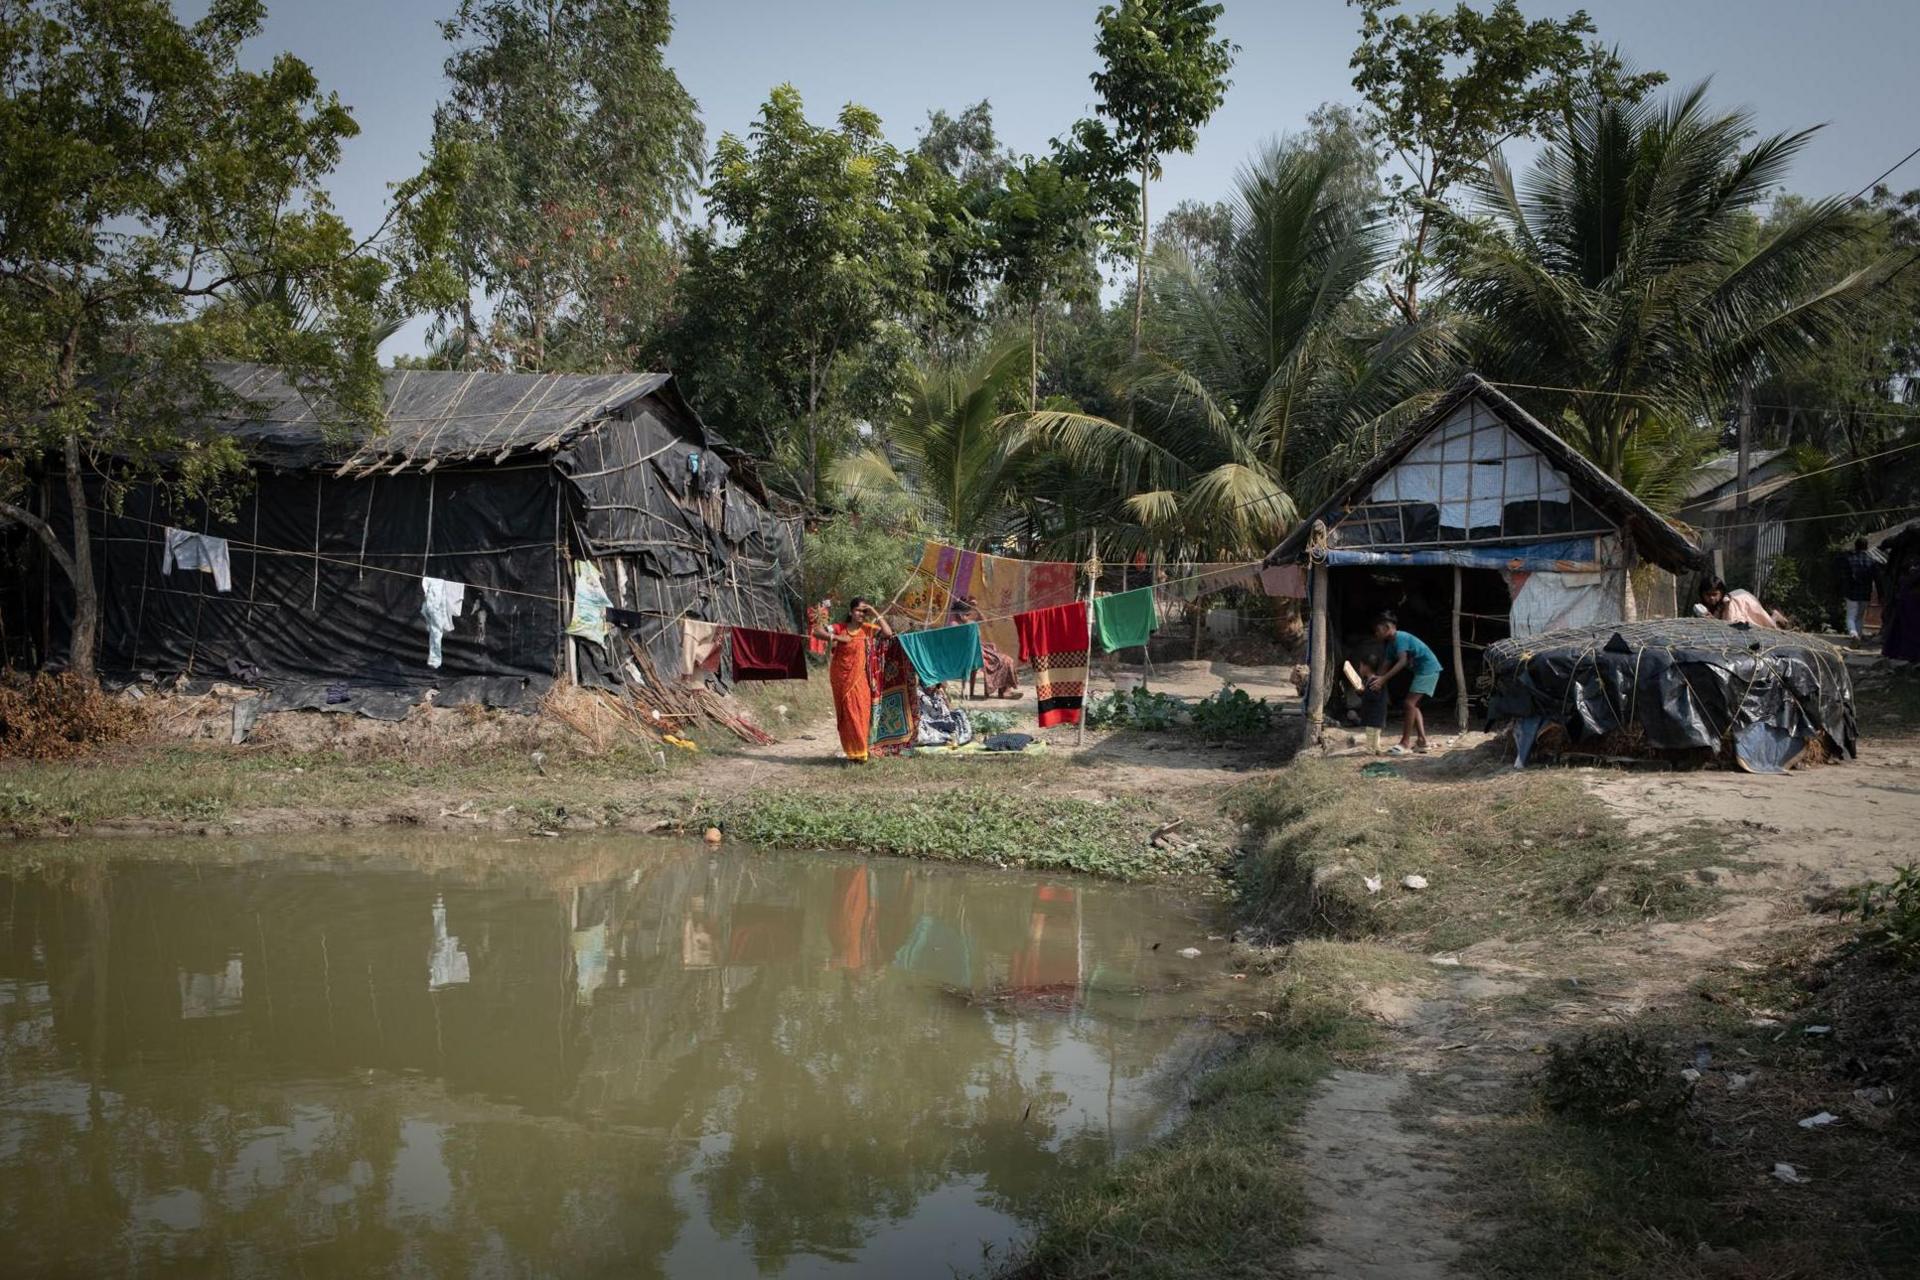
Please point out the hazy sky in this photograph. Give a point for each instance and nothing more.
(1846, 64)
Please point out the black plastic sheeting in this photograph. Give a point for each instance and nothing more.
(327, 566)
(1685, 683)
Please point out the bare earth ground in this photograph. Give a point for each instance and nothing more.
(1388, 1181)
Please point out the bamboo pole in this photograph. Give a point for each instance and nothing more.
(1093, 583)
(1317, 647)
(1459, 660)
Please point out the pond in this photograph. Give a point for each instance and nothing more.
(479, 1056)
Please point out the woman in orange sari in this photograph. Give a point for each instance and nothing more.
(851, 672)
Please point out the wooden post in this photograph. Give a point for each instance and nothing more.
(1317, 646)
(1459, 660)
(1086, 685)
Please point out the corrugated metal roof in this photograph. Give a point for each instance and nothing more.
(433, 416)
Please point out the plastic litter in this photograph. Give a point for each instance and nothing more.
(1819, 1120)
(1788, 1174)
(1188, 953)
(1373, 883)
(1414, 882)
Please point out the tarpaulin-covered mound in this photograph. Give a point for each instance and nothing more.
(1692, 686)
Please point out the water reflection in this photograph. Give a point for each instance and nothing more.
(521, 1058)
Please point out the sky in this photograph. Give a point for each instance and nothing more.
(1844, 64)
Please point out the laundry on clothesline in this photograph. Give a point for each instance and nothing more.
(626, 619)
(1284, 581)
(768, 655)
(202, 551)
(702, 649)
(1000, 587)
(590, 604)
(1126, 620)
(1054, 642)
(440, 604)
(944, 653)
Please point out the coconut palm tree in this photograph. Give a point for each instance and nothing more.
(1630, 265)
(952, 448)
(1261, 380)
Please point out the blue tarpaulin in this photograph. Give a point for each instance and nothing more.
(1568, 555)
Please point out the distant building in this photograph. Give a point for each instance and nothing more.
(1741, 548)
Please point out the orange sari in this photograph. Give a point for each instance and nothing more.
(852, 686)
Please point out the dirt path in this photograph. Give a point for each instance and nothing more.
(1383, 1147)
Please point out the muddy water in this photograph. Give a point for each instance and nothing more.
(489, 1057)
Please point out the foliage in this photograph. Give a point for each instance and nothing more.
(1613, 1076)
(57, 717)
(585, 145)
(1044, 235)
(1627, 265)
(971, 824)
(1135, 709)
(1258, 380)
(988, 723)
(793, 304)
(150, 178)
(1230, 715)
(1445, 90)
(858, 553)
(949, 449)
(1891, 914)
(1163, 74)
(1794, 592)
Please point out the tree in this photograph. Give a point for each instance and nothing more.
(1163, 74)
(585, 148)
(149, 182)
(956, 172)
(1044, 237)
(1630, 265)
(951, 449)
(1447, 89)
(792, 324)
(1259, 387)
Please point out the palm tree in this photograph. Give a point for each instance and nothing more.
(952, 448)
(1261, 380)
(1630, 265)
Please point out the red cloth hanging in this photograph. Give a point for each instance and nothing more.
(1055, 642)
(768, 655)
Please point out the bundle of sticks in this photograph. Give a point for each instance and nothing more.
(682, 705)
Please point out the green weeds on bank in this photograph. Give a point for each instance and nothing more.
(975, 823)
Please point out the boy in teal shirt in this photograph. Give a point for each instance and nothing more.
(1399, 650)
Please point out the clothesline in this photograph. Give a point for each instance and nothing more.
(321, 558)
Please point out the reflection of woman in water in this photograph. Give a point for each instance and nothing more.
(852, 681)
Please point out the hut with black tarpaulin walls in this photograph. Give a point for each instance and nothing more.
(498, 481)
(1476, 524)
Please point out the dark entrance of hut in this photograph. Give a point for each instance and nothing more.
(1423, 598)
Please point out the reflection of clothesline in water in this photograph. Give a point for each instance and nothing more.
(447, 964)
(213, 995)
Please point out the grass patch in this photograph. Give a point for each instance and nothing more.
(1513, 856)
(1221, 1196)
(197, 784)
(960, 824)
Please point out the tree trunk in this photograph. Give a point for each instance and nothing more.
(86, 600)
(1033, 358)
(1140, 266)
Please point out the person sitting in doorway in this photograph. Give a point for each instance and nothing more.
(1401, 650)
(1737, 605)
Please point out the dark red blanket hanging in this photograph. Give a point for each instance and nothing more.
(768, 655)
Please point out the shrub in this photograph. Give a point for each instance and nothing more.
(988, 723)
(1135, 709)
(56, 717)
(1892, 914)
(1232, 716)
(1613, 1076)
